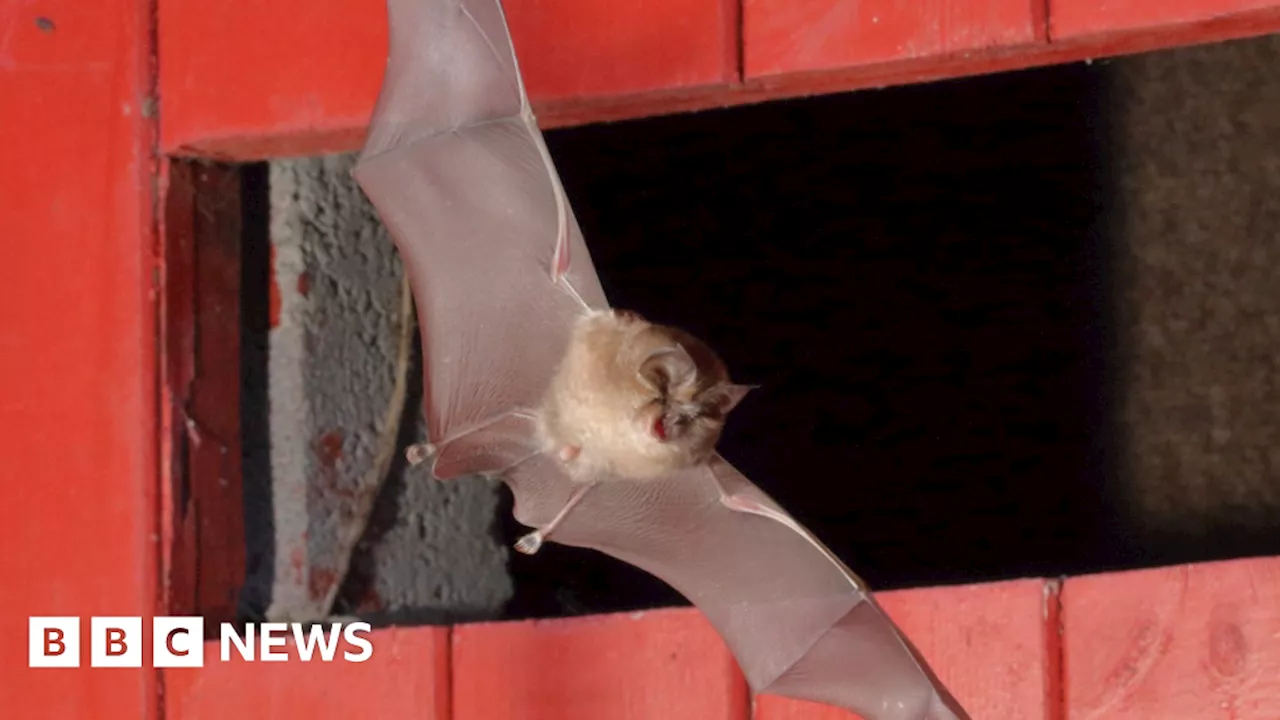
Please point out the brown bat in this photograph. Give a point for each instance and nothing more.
(514, 324)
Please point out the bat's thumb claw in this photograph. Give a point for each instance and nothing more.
(529, 544)
(417, 453)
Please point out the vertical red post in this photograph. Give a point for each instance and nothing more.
(203, 498)
(77, 343)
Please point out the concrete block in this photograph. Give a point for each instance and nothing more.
(335, 296)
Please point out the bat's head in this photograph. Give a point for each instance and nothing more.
(692, 395)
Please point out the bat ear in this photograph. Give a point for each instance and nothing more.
(668, 367)
(733, 395)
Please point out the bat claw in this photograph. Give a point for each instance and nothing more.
(743, 505)
(417, 453)
(530, 544)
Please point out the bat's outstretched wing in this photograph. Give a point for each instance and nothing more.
(457, 169)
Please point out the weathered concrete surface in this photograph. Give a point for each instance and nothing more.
(332, 349)
(1197, 168)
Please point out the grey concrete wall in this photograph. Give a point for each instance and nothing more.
(430, 552)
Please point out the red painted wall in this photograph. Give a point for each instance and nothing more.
(78, 523)
(79, 372)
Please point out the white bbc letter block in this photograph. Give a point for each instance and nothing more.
(115, 642)
(53, 642)
(177, 642)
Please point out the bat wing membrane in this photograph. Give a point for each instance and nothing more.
(458, 171)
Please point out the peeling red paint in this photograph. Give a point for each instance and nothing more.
(329, 448)
(320, 581)
(304, 284)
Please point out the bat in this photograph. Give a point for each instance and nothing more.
(502, 278)
(630, 400)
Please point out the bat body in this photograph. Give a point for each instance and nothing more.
(630, 400)
(634, 399)
(505, 290)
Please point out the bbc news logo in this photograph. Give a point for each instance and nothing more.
(176, 642)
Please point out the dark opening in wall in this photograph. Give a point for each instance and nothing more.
(916, 278)
(935, 287)
(254, 392)
(1022, 324)
(212, 384)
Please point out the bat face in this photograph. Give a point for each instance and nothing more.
(636, 399)
(690, 387)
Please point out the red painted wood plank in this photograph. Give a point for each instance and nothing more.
(406, 677)
(1190, 642)
(285, 91)
(1075, 19)
(788, 36)
(77, 344)
(302, 77)
(204, 524)
(994, 646)
(643, 666)
(582, 49)
(919, 70)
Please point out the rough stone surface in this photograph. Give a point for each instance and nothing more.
(1197, 177)
(332, 350)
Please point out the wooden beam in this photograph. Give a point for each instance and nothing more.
(1191, 642)
(1079, 19)
(78, 344)
(791, 36)
(657, 664)
(287, 91)
(994, 646)
(203, 495)
(248, 78)
(407, 676)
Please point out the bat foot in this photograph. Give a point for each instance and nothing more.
(569, 452)
(417, 453)
(529, 544)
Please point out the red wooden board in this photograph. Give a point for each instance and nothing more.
(203, 536)
(302, 79)
(787, 36)
(407, 677)
(994, 646)
(1192, 642)
(1199, 20)
(247, 78)
(655, 665)
(77, 344)
(582, 49)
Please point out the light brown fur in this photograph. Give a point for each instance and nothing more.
(634, 399)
